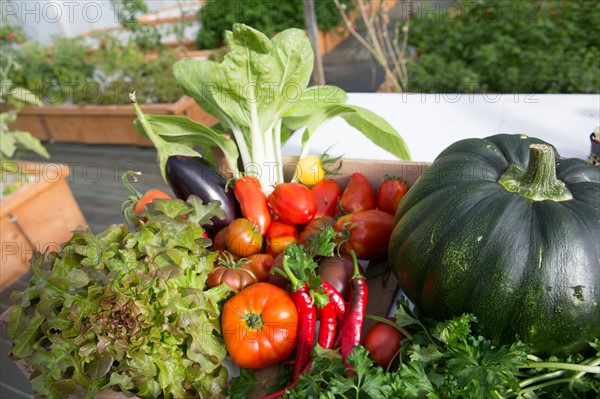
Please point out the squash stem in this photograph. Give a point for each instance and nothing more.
(538, 182)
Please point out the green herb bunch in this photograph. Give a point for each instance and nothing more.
(439, 360)
(126, 310)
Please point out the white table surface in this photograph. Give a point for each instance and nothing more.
(431, 122)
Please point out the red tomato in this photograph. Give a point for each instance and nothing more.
(367, 233)
(260, 265)
(383, 343)
(260, 325)
(253, 202)
(358, 195)
(232, 272)
(243, 238)
(219, 242)
(390, 193)
(315, 227)
(279, 235)
(327, 193)
(147, 198)
(293, 203)
(274, 277)
(240, 273)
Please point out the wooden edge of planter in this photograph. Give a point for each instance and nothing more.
(39, 216)
(101, 124)
(44, 173)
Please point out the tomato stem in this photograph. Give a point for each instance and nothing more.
(253, 320)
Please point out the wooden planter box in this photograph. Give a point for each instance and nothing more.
(40, 215)
(99, 124)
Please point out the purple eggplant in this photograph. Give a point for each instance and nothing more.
(193, 175)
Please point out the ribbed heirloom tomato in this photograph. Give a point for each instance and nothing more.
(293, 203)
(260, 325)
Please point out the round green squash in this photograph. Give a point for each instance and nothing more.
(507, 230)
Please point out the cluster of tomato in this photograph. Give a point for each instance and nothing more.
(251, 245)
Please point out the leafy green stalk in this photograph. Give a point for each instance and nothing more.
(259, 93)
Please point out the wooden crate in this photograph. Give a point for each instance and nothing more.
(40, 215)
(99, 124)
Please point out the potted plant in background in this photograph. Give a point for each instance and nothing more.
(38, 210)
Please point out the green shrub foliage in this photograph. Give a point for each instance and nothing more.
(267, 16)
(512, 46)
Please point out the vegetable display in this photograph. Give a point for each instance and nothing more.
(507, 230)
(126, 309)
(500, 235)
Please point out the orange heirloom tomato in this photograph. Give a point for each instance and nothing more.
(279, 235)
(260, 325)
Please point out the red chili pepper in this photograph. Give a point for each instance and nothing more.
(336, 298)
(327, 327)
(253, 202)
(340, 309)
(306, 322)
(354, 317)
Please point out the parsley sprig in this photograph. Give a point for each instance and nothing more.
(447, 360)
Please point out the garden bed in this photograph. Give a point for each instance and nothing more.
(99, 124)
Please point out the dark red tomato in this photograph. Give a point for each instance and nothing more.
(383, 343)
(219, 242)
(260, 266)
(315, 227)
(147, 198)
(390, 193)
(243, 238)
(253, 202)
(337, 271)
(293, 203)
(279, 235)
(274, 277)
(327, 193)
(358, 195)
(367, 233)
(232, 272)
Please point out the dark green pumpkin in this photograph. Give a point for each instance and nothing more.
(468, 237)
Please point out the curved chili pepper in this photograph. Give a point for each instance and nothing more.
(336, 298)
(307, 321)
(340, 309)
(327, 327)
(253, 202)
(354, 317)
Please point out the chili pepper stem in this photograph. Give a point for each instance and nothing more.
(357, 273)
